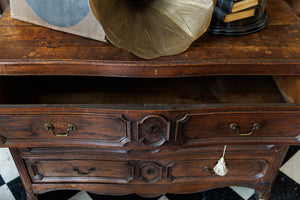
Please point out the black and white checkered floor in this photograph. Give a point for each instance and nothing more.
(286, 186)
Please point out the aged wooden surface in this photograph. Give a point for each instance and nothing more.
(155, 132)
(289, 87)
(27, 49)
(92, 171)
(163, 170)
(24, 126)
(295, 5)
(155, 174)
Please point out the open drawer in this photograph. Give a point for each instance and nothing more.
(145, 113)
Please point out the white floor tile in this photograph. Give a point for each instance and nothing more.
(292, 167)
(5, 193)
(163, 198)
(8, 168)
(245, 193)
(81, 196)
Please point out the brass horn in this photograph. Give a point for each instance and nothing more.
(153, 28)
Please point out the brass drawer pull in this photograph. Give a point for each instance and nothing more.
(236, 128)
(92, 169)
(50, 127)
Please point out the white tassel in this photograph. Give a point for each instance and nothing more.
(220, 168)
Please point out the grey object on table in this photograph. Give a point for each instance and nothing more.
(60, 13)
(71, 16)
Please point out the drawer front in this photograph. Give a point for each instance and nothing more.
(195, 170)
(146, 128)
(243, 163)
(237, 168)
(254, 126)
(80, 171)
(106, 129)
(149, 171)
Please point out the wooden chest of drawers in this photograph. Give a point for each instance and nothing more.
(83, 115)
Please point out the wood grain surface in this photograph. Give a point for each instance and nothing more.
(197, 127)
(26, 49)
(155, 132)
(193, 178)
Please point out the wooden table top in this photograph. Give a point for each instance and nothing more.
(27, 49)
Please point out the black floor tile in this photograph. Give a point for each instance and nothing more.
(195, 196)
(125, 197)
(17, 189)
(292, 150)
(1, 181)
(58, 195)
(253, 197)
(221, 194)
(284, 188)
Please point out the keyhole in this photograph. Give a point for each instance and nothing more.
(150, 171)
(154, 129)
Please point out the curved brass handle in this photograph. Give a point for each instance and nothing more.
(50, 127)
(236, 128)
(75, 169)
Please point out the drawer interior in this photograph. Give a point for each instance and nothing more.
(103, 90)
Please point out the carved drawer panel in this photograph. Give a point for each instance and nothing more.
(92, 165)
(237, 168)
(133, 127)
(106, 129)
(80, 171)
(254, 125)
(153, 130)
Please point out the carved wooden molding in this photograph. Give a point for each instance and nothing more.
(151, 172)
(35, 172)
(2, 139)
(132, 168)
(153, 130)
(298, 138)
(170, 177)
(33, 169)
(178, 133)
(115, 123)
(260, 173)
(264, 170)
(127, 137)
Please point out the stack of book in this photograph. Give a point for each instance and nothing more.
(239, 17)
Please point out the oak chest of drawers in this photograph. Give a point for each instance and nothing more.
(84, 115)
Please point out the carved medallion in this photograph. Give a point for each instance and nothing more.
(150, 172)
(153, 130)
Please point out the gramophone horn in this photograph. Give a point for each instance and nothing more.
(153, 28)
